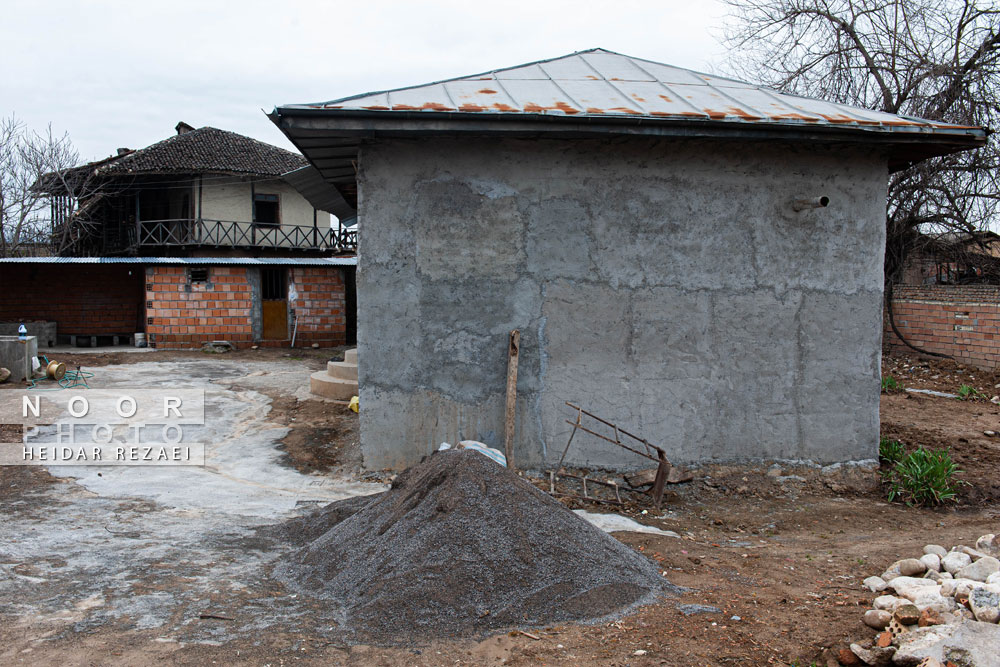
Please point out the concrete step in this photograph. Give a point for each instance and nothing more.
(351, 356)
(342, 370)
(323, 385)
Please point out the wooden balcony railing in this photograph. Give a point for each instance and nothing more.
(231, 234)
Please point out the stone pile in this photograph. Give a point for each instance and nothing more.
(928, 606)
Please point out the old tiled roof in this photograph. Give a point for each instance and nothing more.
(206, 150)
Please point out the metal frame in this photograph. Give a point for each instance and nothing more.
(649, 451)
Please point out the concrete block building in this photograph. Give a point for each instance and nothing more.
(695, 258)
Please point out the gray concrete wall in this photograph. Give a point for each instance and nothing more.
(16, 354)
(666, 285)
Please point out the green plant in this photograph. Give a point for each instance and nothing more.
(890, 451)
(891, 384)
(923, 478)
(969, 393)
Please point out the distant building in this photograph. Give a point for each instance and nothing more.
(207, 235)
(201, 191)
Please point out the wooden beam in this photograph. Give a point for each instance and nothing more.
(513, 351)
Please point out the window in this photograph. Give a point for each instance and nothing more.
(273, 284)
(266, 210)
(199, 275)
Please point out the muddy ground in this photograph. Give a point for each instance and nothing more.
(779, 551)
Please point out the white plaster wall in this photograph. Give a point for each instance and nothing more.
(232, 199)
(226, 198)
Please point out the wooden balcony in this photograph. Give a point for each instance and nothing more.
(231, 234)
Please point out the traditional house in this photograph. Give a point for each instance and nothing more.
(202, 191)
(203, 236)
(695, 258)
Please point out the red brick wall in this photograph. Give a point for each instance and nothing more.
(181, 314)
(81, 299)
(319, 306)
(961, 321)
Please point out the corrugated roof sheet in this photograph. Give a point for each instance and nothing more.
(603, 84)
(237, 261)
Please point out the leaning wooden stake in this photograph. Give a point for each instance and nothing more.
(512, 353)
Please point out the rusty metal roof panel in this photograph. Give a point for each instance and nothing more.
(601, 84)
(615, 67)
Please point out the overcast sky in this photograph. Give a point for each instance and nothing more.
(114, 73)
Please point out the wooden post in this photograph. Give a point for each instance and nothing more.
(662, 470)
(513, 348)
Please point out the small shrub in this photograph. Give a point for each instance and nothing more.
(891, 385)
(890, 451)
(969, 393)
(924, 478)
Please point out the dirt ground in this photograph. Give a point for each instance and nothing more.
(778, 552)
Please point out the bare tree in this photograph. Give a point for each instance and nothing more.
(934, 59)
(40, 187)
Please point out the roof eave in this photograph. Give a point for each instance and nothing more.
(932, 141)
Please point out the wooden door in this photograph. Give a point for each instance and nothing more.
(274, 303)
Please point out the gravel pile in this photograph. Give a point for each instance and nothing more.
(460, 546)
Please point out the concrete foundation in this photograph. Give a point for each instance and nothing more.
(666, 285)
(16, 354)
(45, 332)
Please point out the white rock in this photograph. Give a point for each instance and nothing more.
(964, 587)
(877, 618)
(874, 655)
(955, 561)
(948, 587)
(993, 578)
(974, 554)
(874, 584)
(931, 562)
(976, 643)
(887, 602)
(933, 575)
(909, 587)
(936, 549)
(946, 575)
(934, 601)
(980, 570)
(906, 567)
(989, 544)
(985, 605)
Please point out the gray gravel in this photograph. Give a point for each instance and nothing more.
(461, 546)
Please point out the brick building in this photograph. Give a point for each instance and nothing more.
(183, 302)
(207, 235)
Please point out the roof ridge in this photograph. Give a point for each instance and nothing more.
(207, 149)
(468, 76)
